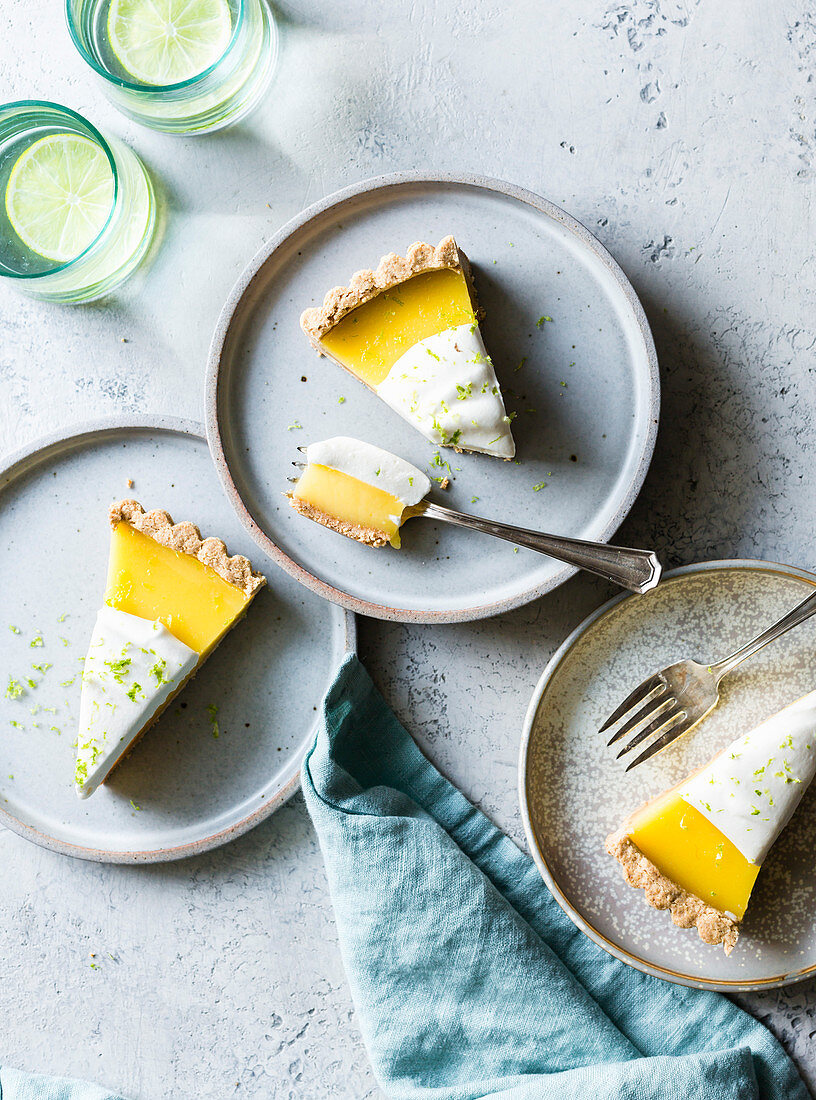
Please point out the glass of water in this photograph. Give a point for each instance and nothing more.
(77, 211)
(181, 66)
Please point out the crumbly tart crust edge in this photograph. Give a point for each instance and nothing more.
(186, 538)
(391, 271)
(686, 909)
(370, 536)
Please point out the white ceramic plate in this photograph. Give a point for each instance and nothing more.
(587, 395)
(193, 791)
(574, 792)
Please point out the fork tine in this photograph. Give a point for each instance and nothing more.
(662, 741)
(302, 450)
(300, 465)
(294, 480)
(631, 700)
(648, 710)
(668, 710)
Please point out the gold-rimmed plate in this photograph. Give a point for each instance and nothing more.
(574, 792)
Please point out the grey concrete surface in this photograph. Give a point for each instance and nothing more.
(683, 133)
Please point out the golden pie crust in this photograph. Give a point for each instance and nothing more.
(391, 271)
(186, 538)
(371, 536)
(687, 910)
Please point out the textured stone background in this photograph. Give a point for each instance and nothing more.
(682, 133)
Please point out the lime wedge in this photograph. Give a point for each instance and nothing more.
(59, 195)
(167, 41)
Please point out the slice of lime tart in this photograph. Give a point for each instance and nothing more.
(162, 42)
(59, 195)
(171, 598)
(358, 490)
(410, 331)
(696, 850)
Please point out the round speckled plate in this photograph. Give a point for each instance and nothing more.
(572, 350)
(182, 790)
(574, 793)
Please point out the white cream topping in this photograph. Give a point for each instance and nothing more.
(751, 789)
(372, 465)
(132, 667)
(446, 386)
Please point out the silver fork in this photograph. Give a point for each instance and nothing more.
(637, 570)
(676, 699)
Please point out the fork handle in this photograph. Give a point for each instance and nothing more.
(637, 570)
(794, 617)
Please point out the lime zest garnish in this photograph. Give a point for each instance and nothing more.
(15, 689)
(212, 711)
(158, 670)
(119, 668)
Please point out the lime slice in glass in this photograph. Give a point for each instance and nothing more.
(59, 195)
(168, 41)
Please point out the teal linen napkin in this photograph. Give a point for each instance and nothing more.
(16, 1085)
(469, 980)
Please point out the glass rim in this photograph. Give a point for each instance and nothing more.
(106, 149)
(150, 89)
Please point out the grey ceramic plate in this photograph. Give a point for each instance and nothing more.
(574, 793)
(586, 395)
(192, 791)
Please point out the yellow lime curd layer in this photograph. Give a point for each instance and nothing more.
(370, 339)
(147, 579)
(686, 847)
(350, 500)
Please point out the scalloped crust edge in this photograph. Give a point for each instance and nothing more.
(392, 270)
(686, 909)
(368, 535)
(186, 538)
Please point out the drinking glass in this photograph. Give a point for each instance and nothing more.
(77, 211)
(180, 66)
